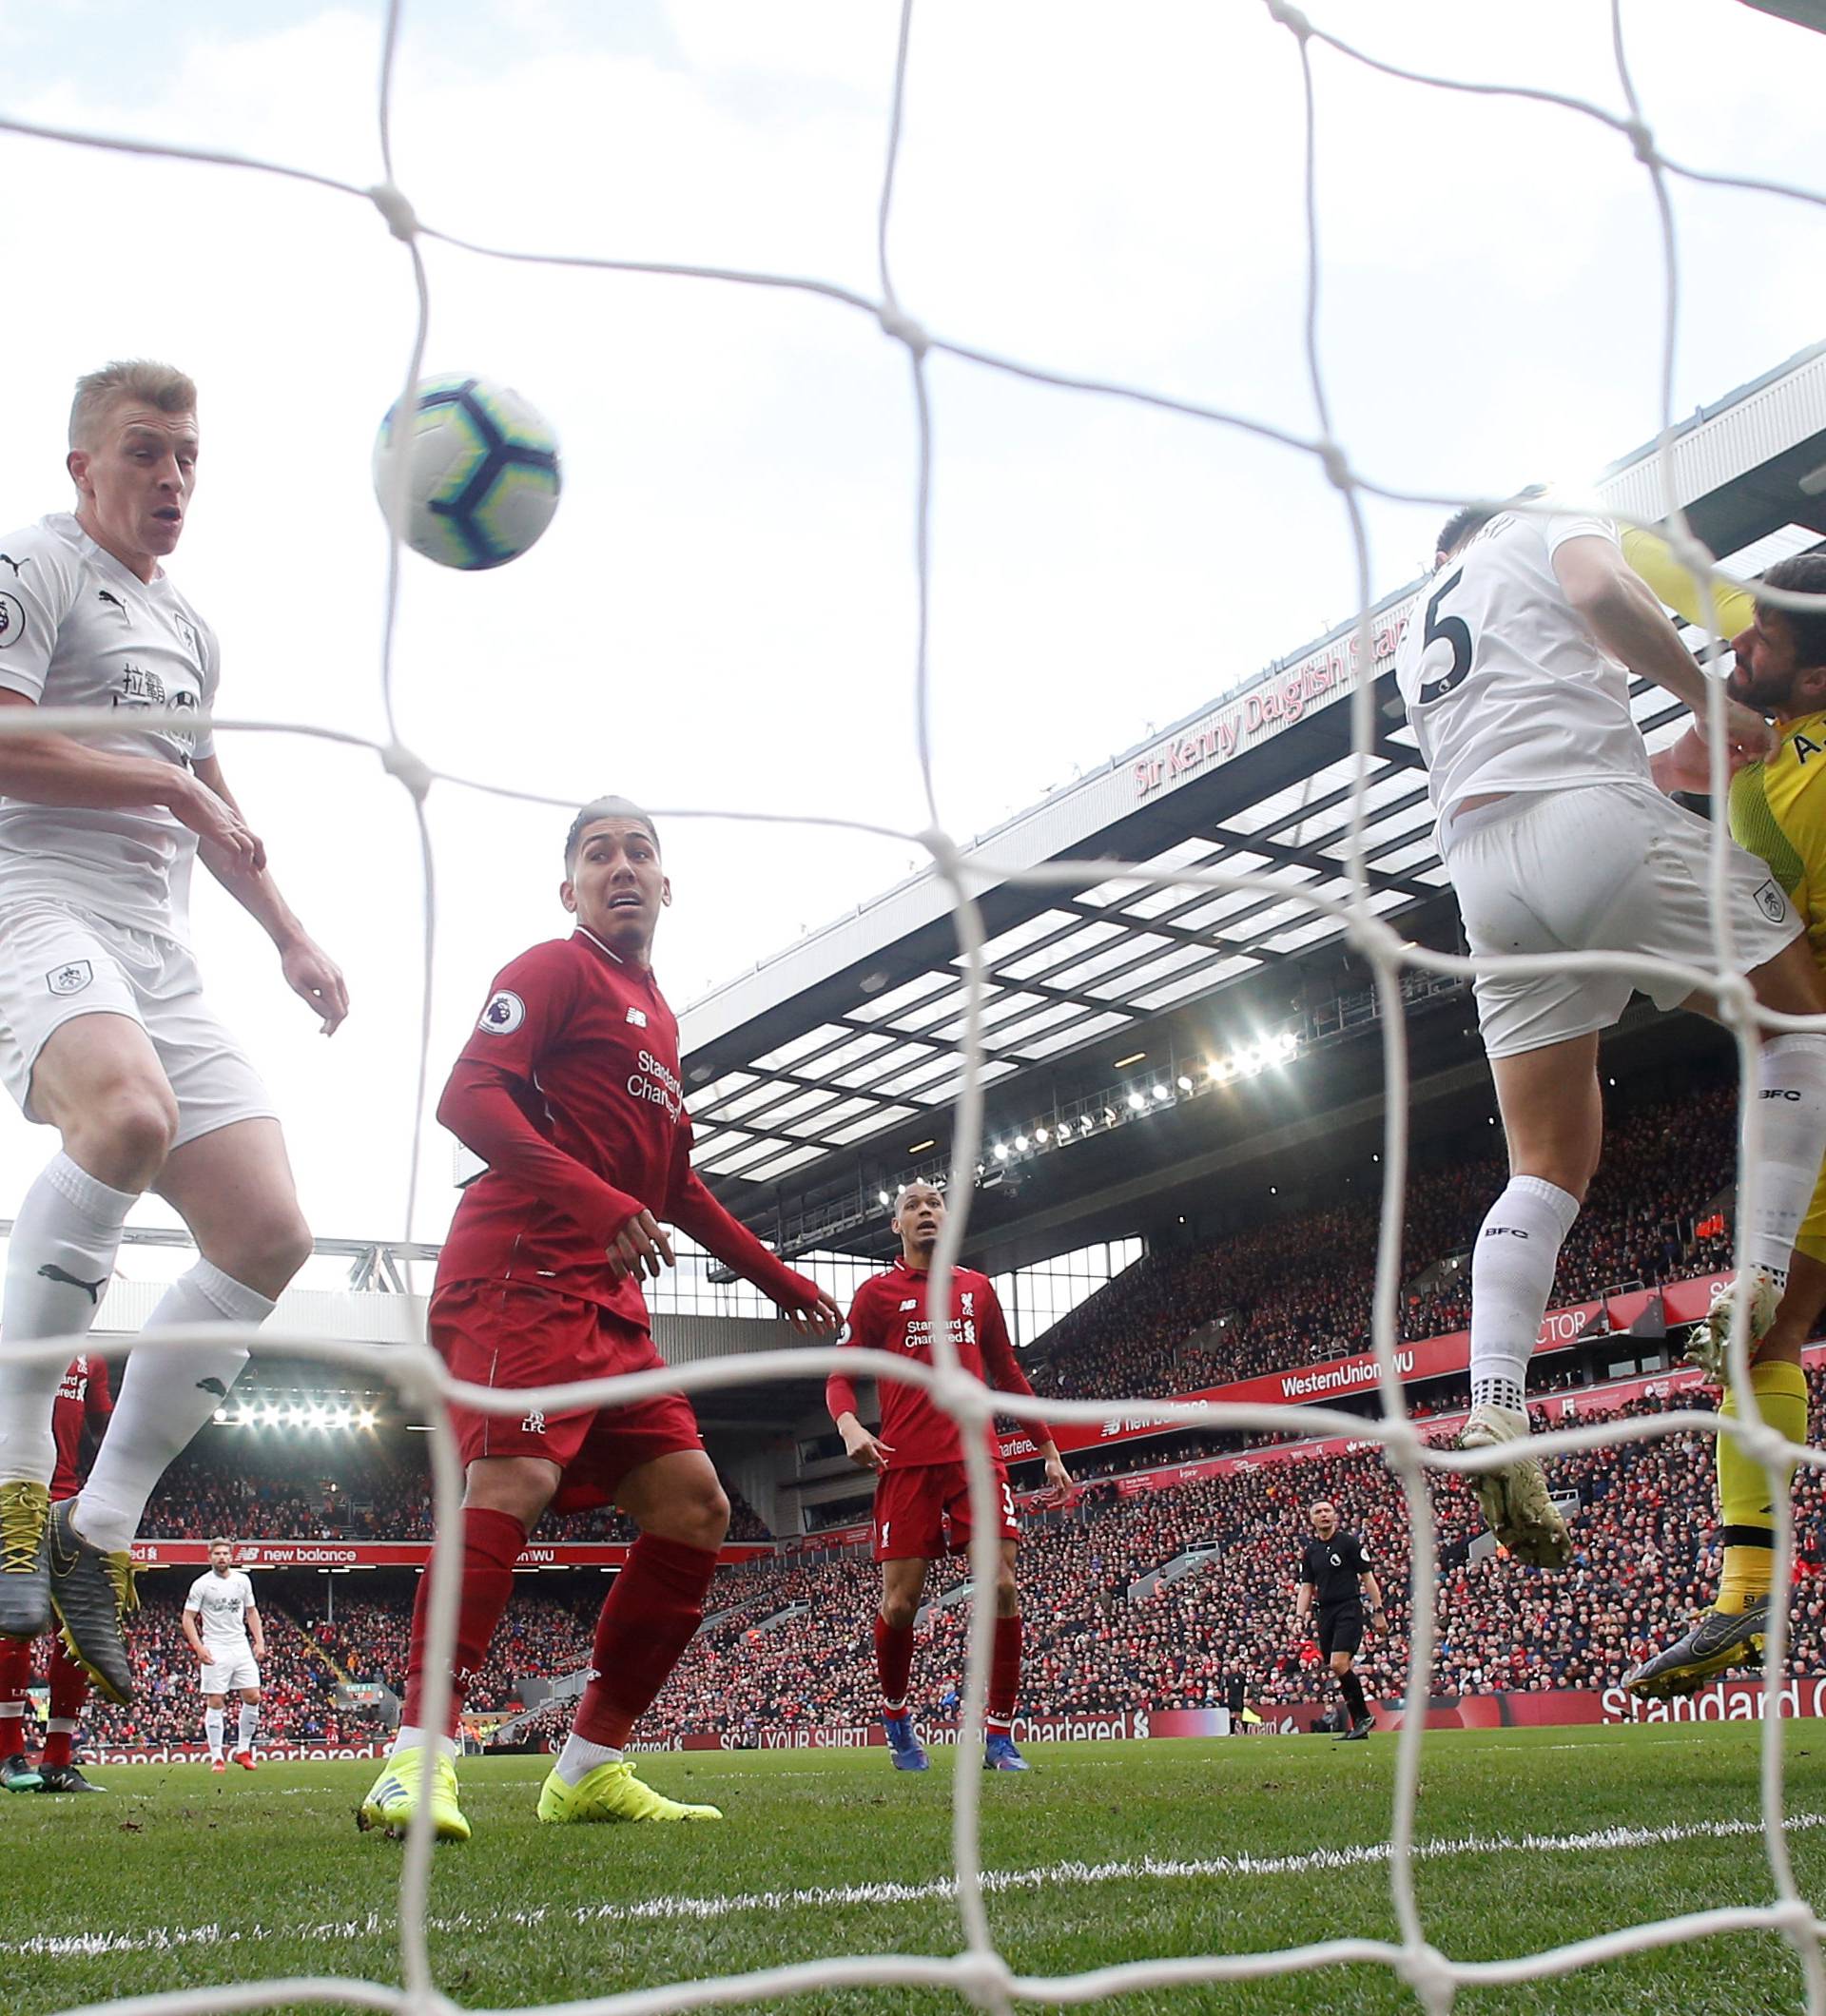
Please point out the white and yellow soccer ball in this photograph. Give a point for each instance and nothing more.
(482, 476)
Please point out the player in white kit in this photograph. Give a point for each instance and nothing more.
(104, 1031)
(222, 1622)
(1515, 673)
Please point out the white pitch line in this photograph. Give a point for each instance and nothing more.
(995, 1883)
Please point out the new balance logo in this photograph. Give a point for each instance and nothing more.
(52, 1271)
(912, 1303)
(638, 1016)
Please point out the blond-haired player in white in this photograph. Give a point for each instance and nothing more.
(104, 1031)
(222, 1623)
(1515, 673)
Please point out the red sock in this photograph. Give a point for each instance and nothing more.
(652, 1612)
(491, 1543)
(15, 1669)
(68, 1691)
(893, 1662)
(15, 1676)
(1005, 1674)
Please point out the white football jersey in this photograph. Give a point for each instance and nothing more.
(77, 628)
(1504, 686)
(222, 1603)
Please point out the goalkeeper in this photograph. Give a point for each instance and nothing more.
(1778, 811)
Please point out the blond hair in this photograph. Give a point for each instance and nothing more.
(134, 378)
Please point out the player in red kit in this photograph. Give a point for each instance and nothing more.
(922, 1499)
(79, 1419)
(568, 1089)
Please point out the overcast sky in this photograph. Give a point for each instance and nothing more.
(721, 615)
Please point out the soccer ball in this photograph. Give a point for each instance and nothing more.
(482, 472)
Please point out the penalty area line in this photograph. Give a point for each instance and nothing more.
(1064, 1876)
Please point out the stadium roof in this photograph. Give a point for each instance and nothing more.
(828, 1072)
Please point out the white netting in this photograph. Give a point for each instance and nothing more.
(978, 1973)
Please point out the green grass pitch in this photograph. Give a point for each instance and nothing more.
(185, 1879)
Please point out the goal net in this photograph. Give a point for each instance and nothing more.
(979, 1972)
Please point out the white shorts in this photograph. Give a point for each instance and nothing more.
(230, 1673)
(57, 963)
(1606, 868)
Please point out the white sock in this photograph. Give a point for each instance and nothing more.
(1512, 1268)
(409, 1735)
(579, 1757)
(249, 1722)
(170, 1391)
(70, 1223)
(212, 1728)
(13, 1712)
(1791, 1104)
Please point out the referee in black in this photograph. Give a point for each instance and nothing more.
(1335, 1570)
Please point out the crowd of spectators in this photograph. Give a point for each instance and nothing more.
(1298, 1291)
(376, 1493)
(788, 1642)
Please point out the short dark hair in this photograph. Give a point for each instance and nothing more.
(1461, 525)
(1471, 518)
(1805, 574)
(603, 809)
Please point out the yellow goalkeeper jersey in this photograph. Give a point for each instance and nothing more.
(1778, 811)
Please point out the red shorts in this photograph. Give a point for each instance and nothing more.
(923, 1512)
(502, 1335)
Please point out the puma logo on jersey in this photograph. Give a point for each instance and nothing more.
(107, 595)
(212, 1386)
(52, 1271)
(15, 565)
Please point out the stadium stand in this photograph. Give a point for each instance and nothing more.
(1643, 1560)
(1294, 1290)
(1298, 1291)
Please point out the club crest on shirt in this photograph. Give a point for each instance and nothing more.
(1771, 902)
(71, 978)
(504, 1013)
(12, 620)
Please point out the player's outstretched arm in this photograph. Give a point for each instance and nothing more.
(1622, 613)
(1733, 605)
(310, 973)
(810, 1309)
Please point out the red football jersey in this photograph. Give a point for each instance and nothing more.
(83, 1403)
(888, 1314)
(569, 1088)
